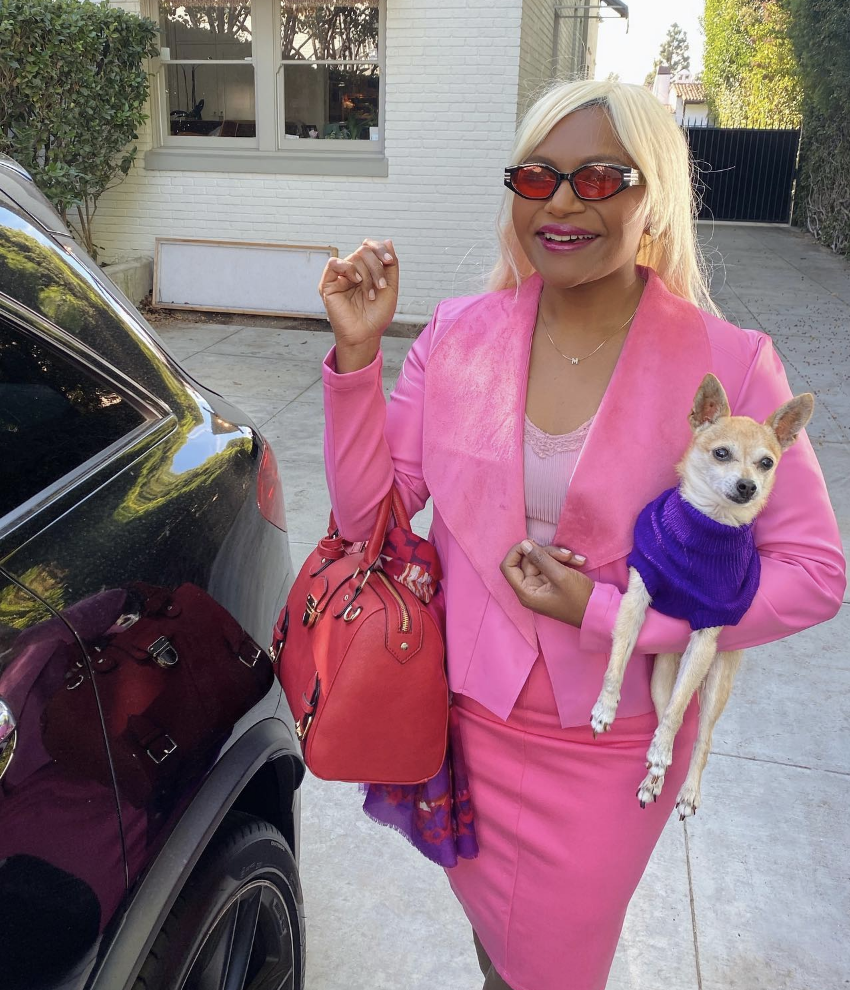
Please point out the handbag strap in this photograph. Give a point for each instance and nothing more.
(391, 504)
(379, 532)
(401, 517)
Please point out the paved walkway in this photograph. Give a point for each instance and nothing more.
(753, 894)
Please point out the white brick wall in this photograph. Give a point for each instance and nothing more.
(451, 79)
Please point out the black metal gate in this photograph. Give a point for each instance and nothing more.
(743, 173)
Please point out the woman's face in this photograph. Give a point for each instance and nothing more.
(579, 138)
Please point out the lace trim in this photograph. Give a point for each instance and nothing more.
(547, 445)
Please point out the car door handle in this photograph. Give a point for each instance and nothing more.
(8, 734)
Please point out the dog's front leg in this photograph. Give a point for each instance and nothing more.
(627, 625)
(693, 668)
(713, 698)
(664, 671)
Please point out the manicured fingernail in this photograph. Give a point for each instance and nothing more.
(564, 550)
(526, 546)
(382, 283)
(388, 257)
(372, 294)
(358, 277)
(579, 559)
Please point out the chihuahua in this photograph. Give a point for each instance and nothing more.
(695, 558)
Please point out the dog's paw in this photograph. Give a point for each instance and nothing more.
(603, 714)
(650, 788)
(688, 801)
(659, 756)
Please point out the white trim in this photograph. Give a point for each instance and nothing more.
(206, 61)
(266, 36)
(192, 158)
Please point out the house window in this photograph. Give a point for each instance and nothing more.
(330, 78)
(209, 82)
(295, 76)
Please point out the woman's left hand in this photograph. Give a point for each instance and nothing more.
(545, 580)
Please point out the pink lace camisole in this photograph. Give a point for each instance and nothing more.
(548, 465)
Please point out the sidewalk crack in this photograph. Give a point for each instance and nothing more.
(693, 906)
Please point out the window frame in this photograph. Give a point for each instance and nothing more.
(158, 419)
(269, 151)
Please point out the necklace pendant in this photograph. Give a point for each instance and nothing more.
(574, 360)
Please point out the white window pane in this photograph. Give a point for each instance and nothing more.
(345, 31)
(197, 30)
(211, 100)
(331, 102)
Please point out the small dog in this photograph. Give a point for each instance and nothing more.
(695, 558)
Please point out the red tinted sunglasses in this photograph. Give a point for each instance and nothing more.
(595, 181)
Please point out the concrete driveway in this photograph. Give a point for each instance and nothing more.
(753, 894)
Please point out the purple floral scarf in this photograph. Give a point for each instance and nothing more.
(435, 817)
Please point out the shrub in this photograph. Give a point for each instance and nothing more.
(820, 32)
(73, 88)
(750, 76)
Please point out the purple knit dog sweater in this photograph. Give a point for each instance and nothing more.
(694, 567)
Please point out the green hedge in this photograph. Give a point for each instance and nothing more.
(822, 200)
(820, 32)
(750, 75)
(73, 88)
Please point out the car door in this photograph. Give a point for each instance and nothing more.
(136, 504)
(62, 871)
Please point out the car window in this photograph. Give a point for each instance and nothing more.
(54, 415)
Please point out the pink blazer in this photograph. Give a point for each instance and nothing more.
(453, 430)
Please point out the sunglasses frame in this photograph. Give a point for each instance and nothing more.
(630, 177)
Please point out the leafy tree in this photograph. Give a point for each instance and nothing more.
(673, 52)
(751, 76)
(73, 88)
(820, 33)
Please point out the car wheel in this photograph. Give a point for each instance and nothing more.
(238, 923)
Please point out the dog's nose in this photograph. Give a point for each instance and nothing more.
(746, 489)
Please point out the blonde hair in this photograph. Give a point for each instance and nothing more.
(648, 132)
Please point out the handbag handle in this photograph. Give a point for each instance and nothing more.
(401, 517)
(390, 504)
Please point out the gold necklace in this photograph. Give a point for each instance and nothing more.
(576, 360)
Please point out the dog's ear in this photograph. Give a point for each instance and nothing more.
(789, 419)
(710, 403)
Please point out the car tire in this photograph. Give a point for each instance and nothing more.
(241, 908)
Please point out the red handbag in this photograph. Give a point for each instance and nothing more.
(362, 663)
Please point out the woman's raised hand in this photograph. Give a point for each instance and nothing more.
(360, 293)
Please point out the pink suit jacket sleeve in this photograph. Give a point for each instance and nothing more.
(369, 443)
(802, 564)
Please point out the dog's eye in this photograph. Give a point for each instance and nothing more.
(766, 463)
(721, 453)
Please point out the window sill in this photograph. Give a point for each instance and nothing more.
(354, 163)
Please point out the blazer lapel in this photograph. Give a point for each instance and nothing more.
(475, 398)
(476, 382)
(641, 429)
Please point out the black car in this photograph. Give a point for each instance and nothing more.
(149, 770)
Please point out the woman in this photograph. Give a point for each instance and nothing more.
(541, 417)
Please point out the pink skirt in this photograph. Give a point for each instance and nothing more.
(563, 838)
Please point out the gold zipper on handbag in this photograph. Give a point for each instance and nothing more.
(405, 615)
